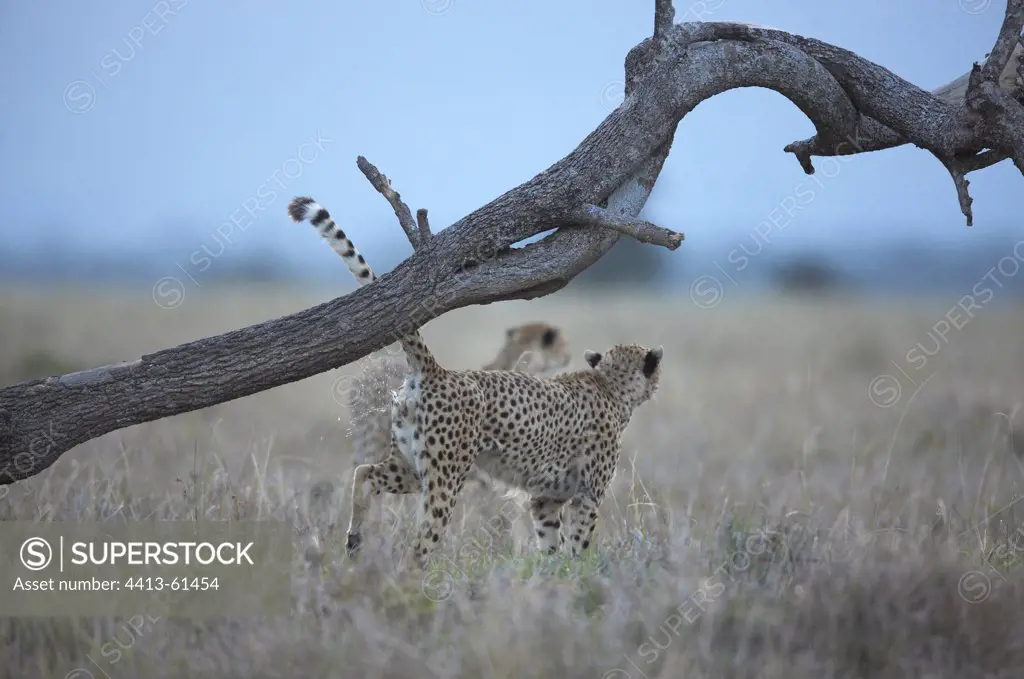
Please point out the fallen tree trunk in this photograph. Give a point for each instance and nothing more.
(591, 197)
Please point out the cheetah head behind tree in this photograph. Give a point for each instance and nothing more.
(629, 368)
(539, 347)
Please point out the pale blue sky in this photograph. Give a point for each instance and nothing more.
(456, 106)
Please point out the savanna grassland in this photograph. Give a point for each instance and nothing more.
(780, 510)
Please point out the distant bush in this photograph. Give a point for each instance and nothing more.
(36, 364)
(806, 274)
(629, 262)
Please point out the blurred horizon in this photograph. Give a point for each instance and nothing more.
(898, 269)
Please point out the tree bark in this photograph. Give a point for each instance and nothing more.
(590, 197)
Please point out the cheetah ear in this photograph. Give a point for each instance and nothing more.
(592, 357)
(652, 360)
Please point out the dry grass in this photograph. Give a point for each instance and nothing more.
(767, 520)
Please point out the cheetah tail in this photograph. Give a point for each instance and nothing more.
(301, 209)
(305, 208)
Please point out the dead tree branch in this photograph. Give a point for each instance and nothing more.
(855, 105)
(423, 224)
(645, 232)
(383, 186)
(664, 18)
(1008, 42)
(979, 110)
(418, 233)
(982, 160)
(958, 171)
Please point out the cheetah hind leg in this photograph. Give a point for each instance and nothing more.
(443, 477)
(395, 475)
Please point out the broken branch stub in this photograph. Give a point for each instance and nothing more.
(383, 186)
(590, 198)
(423, 224)
(643, 231)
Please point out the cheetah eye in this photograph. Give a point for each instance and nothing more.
(549, 337)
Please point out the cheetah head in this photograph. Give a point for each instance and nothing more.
(630, 369)
(540, 348)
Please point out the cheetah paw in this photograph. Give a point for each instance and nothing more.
(352, 544)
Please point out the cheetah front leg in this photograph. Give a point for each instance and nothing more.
(394, 475)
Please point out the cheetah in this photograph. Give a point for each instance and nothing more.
(537, 348)
(558, 439)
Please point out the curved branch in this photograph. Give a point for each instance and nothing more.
(473, 261)
(895, 111)
(954, 122)
(1008, 42)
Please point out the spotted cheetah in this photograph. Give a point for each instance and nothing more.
(557, 439)
(536, 348)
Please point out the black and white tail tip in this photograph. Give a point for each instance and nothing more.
(303, 208)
